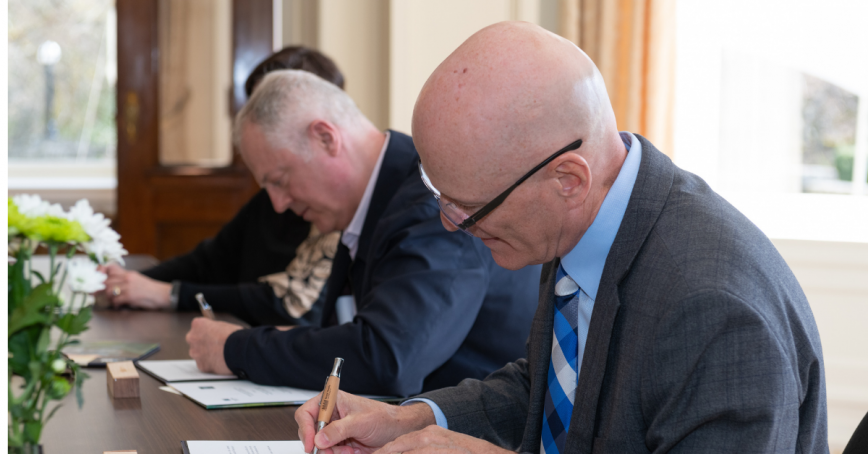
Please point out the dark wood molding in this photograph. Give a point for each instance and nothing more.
(137, 120)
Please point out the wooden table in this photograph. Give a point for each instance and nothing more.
(158, 421)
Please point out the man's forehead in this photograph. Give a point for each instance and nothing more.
(462, 175)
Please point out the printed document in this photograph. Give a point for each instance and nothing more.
(242, 447)
(241, 393)
(178, 370)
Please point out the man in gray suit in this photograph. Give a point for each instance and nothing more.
(667, 321)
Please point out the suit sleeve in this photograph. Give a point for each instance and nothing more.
(494, 409)
(256, 304)
(719, 380)
(426, 287)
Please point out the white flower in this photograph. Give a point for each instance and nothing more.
(83, 275)
(104, 242)
(31, 205)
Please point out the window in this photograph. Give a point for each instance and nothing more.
(61, 120)
(62, 80)
(772, 111)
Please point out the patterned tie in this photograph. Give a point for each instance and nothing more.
(563, 368)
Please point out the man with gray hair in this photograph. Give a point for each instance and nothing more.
(667, 321)
(409, 306)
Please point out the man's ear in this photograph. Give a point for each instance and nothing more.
(324, 135)
(573, 177)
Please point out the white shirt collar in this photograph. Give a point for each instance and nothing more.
(350, 236)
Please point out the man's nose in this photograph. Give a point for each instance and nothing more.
(279, 200)
(447, 223)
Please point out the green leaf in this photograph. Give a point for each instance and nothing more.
(16, 440)
(19, 287)
(39, 275)
(32, 430)
(65, 322)
(20, 345)
(73, 324)
(42, 344)
(32, 310)
(51, 413)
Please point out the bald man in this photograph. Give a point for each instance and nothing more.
(667, 322)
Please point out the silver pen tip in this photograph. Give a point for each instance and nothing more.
(339, 365)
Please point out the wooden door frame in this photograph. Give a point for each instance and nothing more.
(151, 198)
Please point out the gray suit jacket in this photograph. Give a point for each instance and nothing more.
(701, 340)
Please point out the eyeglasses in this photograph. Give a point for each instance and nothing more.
(464, 221)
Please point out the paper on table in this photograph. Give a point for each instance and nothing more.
(241, 393)
(178, 370)
(242, 447)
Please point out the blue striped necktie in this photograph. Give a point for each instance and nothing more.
(563, 367)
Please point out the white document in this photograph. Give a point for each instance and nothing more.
(241, 393)
(243, 447)
(178, 370)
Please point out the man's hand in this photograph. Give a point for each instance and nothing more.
(435, 439)
(206, 339)
(130, 288)
(359, 425)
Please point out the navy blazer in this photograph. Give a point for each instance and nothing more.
(433, 306)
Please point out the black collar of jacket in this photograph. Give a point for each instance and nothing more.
(650, 192)
(399, 162)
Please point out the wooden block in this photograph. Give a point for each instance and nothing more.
(123, 379)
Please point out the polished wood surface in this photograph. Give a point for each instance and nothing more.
(158, 421)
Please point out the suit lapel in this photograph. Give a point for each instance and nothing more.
(647, 200)
(539, 354)
(398, 163)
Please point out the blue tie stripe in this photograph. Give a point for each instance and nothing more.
(566, 333)
(548, 443)
(558, 407)
(558, 397)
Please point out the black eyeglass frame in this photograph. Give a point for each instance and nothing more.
(490, 206)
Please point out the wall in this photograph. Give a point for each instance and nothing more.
(356, 35)
(388, 48)
(834, 277)
(424, 33)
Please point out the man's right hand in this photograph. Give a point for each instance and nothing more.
(359, 425)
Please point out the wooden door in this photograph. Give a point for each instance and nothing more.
(165, 211)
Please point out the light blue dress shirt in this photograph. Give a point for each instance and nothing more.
(585, 262)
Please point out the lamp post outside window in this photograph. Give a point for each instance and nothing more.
(48, 55)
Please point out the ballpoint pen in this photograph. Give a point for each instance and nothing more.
(205, 307)
(329, 394)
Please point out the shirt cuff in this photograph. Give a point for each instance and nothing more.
(173, 296)
(438, 413)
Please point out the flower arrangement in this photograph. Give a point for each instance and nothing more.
(35, 305)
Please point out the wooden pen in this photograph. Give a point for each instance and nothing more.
(329, 394)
